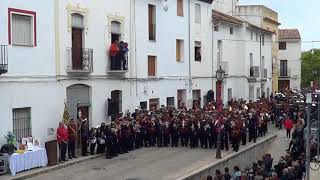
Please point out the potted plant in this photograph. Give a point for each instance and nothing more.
(10, 147)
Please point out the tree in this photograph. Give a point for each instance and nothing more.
(310, 63)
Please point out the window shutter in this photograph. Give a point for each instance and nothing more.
(151, 66)
(21, 29)
(180, 7)
(178, 50)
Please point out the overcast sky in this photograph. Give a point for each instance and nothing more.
(301, 14)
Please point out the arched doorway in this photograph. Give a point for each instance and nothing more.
(79, 101)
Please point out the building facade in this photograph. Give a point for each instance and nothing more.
(57, 53)
(268, 19)
(289, 62)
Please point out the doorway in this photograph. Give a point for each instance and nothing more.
(115, 103)
(182, 97)
(77, 41)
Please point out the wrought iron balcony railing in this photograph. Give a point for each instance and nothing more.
(79, 60)
(4, 59)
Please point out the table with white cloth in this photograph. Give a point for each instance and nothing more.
(28, 160)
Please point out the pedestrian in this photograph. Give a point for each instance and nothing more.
(84, 137)
(226, 174)
(237, 173)
(288, 124)
(218, 175)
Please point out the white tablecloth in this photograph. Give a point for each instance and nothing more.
(28, 160)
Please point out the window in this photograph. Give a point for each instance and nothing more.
(179, 7)
(22, 27)
(170, 101)
(257, 37)
(282, 45)
(197, 51)
(229, 94)
(283, 68)
(262, 39)
(231, 30)
(197, 13)
(251, 35)
(258, 93)
(152, 65)
(154, 104)
(216, 28)
(262, 62)
(144, 105)
(152, 21)
(22, 122)
(251, 59)
(115, 31)
(179, 50)
(77, 20)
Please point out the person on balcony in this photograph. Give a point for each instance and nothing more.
(114, 53)
(123, 51)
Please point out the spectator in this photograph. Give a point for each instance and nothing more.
(209, 177)
(288, 124)
(226, 175)
(237, 173)
(218, 176)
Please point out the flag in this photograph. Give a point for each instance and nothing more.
(66, 117)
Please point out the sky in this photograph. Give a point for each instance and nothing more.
(301, 14)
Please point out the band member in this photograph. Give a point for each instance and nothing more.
(166, 133)
(174, 134)
(93, 140)
(72, 135)
(84, 138)
(184, 134)
(159, 133)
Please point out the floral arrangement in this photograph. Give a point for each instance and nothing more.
(11, 138)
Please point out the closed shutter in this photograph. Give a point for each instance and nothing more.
(152, 22)
(151, 66)
(178, 50)
(21, 30)
(180, 7)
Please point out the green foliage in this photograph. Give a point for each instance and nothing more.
(310, 62)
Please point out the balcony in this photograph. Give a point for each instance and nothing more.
(265, 74)
(118, 57)
(254, 73)
(80, 62)
(4, 59)
(284, 73)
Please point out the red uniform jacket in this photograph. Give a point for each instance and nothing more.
(72, 132)
(62, 134)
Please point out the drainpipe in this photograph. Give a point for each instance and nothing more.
(260, 66)
(57, 39)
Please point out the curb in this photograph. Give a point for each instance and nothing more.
(210, 165)
(54, 168)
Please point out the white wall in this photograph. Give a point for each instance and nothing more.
(24, 60)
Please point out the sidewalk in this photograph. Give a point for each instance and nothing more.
(37, 171)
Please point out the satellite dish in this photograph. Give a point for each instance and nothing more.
(165, 5)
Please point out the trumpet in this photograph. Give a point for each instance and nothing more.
(244, 106)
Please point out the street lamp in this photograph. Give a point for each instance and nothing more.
(220, 77)
(308, 102)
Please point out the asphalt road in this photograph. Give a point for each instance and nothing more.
(142, 164)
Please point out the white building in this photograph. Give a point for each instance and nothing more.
(244, 51)
(58, 51)
(289, 61)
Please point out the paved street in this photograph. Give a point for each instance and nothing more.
(142, 164)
